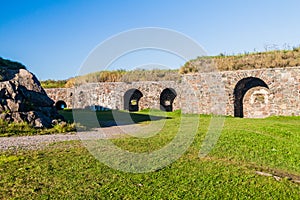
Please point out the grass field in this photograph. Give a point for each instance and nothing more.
(66, 170)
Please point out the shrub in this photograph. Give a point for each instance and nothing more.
(53, 83)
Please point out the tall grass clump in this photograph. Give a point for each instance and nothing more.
(23, 128)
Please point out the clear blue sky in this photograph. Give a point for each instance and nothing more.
(52, 38)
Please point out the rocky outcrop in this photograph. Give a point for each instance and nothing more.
(23, 99)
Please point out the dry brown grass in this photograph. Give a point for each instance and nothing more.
(124, 76)
(271, 59)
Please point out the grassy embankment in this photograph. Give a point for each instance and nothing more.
(255, 60)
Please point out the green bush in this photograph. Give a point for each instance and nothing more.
(53, 83)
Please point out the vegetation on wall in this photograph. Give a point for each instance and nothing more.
(124, 76)
(257, 60)
(102, 76)
(151, 75)
(53, 83)
(222, 62)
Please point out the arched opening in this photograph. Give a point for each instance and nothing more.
(167, 97)
(131, 99)
(60, 105)
(240, 90)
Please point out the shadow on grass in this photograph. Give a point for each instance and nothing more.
(95, 119)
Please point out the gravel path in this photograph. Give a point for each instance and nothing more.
(39, 141)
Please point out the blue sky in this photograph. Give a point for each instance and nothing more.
(53, 38)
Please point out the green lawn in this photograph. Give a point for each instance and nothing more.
(66, 170)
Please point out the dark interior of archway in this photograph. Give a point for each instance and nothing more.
(131, 99)
(60, 105)
(240, 90)
(167, 97)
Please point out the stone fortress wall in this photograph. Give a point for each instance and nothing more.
(245, 93)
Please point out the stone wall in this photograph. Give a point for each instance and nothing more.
(245, 93)
(283, 89)
(111, 95)
(61, 94)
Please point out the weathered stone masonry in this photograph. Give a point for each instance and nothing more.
(245, 93)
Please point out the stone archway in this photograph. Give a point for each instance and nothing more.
(241, 89)
(167, 97)
(131, 100)
(60, 105)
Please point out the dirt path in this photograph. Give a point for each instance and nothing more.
(38, 141)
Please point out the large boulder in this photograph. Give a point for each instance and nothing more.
(23, 99)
